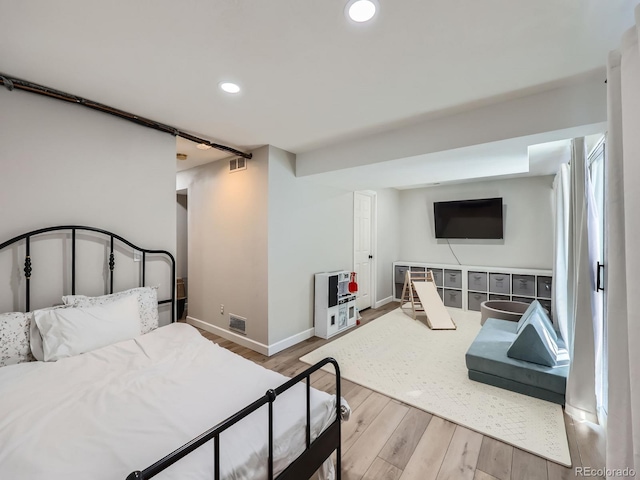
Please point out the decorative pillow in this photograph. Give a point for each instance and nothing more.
(35, 339)
(147, 301)
(536, 310)
(71, 331)
(14, 339)
(537, 341)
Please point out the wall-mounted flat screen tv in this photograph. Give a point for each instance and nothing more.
(481, 218)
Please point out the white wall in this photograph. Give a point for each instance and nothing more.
(227, 219)
(310, 231)
(256, 238)
(64, 164)
(580, 104)
(182, 237)
(528, 224)
(388, 242)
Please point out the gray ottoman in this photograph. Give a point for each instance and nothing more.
(488, 362)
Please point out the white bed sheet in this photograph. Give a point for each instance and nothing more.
(104, 414)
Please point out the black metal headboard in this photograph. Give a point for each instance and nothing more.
(111, 262)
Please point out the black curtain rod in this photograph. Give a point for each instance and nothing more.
(16, 83)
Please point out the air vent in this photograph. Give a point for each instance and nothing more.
(237, 323)
(237, 164)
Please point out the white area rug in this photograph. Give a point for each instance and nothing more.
(401, 358)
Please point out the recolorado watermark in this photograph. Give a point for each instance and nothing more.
(604, 472)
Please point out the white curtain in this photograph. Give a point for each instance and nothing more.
(596, 178)
(593, 228)
(623, 252)
(560, 303)
(580, 400)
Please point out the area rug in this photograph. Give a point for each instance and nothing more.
(403, 359)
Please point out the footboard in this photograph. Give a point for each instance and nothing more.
(303, 467)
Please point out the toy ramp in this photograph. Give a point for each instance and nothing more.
(420, 293)
(438, 317)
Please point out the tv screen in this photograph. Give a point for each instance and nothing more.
(480, 218)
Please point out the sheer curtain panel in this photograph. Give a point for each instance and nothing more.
(560, 303)
(581, 386)
(623, 253)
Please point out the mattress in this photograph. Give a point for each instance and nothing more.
(106, 413)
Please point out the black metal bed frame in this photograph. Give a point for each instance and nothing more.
(303, 467)
(28, 267)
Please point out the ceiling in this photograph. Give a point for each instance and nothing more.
(516, 157)
(309, 77)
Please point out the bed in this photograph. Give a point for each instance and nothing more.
(166, 399)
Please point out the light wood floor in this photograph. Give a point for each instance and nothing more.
(388, 440)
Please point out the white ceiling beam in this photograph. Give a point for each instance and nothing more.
(575, 105)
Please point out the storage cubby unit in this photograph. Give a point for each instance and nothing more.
(467, 286)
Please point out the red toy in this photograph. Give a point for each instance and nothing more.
(353, 285)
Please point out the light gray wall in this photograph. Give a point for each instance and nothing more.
(228, 243)
(256, 238)
(388, 243)
(182, 236)
(528, 224)
(310, 231)
(64, 164)
(576, 105)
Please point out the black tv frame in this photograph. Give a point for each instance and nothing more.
(472, 233)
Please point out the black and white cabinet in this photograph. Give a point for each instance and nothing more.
(335, 306)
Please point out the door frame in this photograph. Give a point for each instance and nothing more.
(374, 242)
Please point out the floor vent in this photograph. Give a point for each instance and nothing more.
(236, 164)
(237, 323)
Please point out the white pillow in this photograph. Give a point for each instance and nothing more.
(147, 301)
(72, 331)
(14, 339)
(35, 339)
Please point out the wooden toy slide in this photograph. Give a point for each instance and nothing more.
(420, 290)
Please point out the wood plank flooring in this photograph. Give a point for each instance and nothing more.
(388, 440)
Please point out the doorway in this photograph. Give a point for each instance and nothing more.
(182, 252)
(364, 245)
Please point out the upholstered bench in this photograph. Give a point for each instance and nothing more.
(488, 362)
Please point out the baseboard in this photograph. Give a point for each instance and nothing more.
(290, 341)
(579, 414)
(267, 350)
(234, 337)
(384, 301)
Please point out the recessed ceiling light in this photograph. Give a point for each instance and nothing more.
(361, 10)
(203, 146)
(229, 87)
(181, 156)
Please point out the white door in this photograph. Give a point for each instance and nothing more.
(363, 216)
